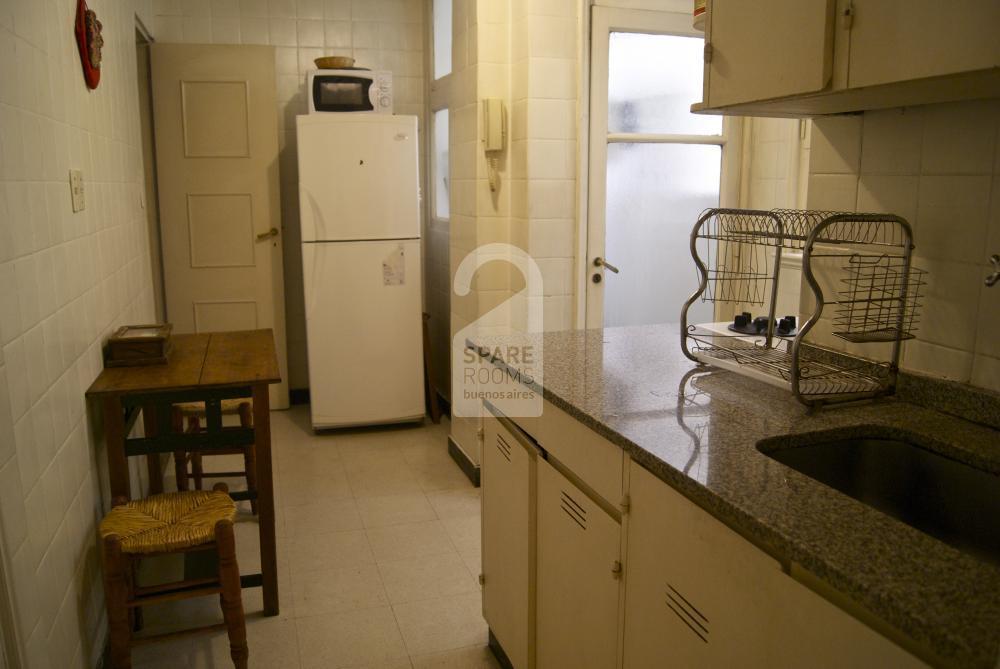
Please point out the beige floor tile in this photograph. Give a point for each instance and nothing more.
(330, 550)
(354, 639)
(272, 643)
(426, 577)
(412, 540)
(473, 657)
(473, 561)
(465, 532)
(324, 515)
(389, 510)
(391, 476)
(338, 590)
(456, 503)
(298, 489)
(445, 623)
(396, 663)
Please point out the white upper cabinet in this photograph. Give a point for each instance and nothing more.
(796, 57)
(810, 57)
(901, 40)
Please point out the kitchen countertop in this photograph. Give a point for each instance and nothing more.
(696, 428)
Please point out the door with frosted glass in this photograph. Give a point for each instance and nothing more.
(654, 167)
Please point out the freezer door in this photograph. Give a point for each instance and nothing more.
(358, 177)
(363, 326)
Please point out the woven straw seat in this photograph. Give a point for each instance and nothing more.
(168, 522)
(229, 406)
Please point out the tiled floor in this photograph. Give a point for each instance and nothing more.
(378, 547)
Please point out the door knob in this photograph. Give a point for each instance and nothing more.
(601, 262)
(273, 232)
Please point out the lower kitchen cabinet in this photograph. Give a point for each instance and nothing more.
(578, 578)
(569, 581)
(695, 593)
(699, 595)
(508, 498)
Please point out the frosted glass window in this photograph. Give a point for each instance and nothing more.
(655, 193)
(441, 164)
(442, 38)
(652, 82)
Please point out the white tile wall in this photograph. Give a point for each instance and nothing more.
(66, 280)
(380, 34)
(939, 167)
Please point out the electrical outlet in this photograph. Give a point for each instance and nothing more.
(76, 189)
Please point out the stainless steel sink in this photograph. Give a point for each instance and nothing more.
(947, 499)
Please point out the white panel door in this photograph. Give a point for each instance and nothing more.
(579, 548)
(508, 482)
(215, 117)
(363, 332)
(358, 177)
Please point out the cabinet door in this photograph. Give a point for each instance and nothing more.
(899, 40)
(508, 540)
(579, 546)
(808, 627)
(696, 593)
(767, 49)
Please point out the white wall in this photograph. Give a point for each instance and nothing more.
(379, 34)
(938, 166)
(66, 280)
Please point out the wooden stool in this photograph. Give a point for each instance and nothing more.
(176, 522)
(195, 413)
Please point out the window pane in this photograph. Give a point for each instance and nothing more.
(655, 194)
(652, 82)
(442, 38)
(441, 164)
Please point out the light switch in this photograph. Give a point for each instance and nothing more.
(76, 189)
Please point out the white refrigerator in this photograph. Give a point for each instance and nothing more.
(360, 219)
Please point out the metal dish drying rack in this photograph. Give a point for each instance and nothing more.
(872, 289)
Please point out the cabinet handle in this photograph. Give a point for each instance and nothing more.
(616, 569)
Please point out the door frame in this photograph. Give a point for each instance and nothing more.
(604, 21)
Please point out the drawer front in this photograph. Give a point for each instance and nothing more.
(592, 458)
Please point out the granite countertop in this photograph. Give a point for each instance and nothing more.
(697, 429)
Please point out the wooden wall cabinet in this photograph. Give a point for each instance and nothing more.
(810, 57)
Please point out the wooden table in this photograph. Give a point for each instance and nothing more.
(202, 368)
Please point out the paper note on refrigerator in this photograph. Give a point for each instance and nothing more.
(394, 268)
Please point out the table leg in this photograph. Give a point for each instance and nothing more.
(265, 498)
(114, 437)
(153, 466)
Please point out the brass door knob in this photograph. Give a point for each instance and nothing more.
(273, 232)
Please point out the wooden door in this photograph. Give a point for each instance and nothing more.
(767, 49)
(509, 541)
(215, 116)
(578, 577)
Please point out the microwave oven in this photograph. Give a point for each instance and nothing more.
(354, 90)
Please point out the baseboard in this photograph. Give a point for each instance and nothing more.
(298, 396)
(498, 653)
(468, 467)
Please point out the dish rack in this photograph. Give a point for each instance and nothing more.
(864, 262)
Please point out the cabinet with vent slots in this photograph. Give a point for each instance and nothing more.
(578, 576)
(695, 593)
(699, 595)
(508, 498)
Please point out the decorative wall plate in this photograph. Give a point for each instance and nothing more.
(90, 43)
